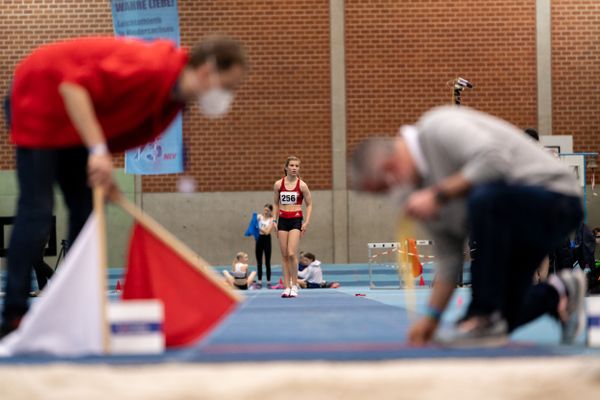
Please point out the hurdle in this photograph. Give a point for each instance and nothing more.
(383, 263)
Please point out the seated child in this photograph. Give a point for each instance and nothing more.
(239, 277)
(311, 277)
(301, 265)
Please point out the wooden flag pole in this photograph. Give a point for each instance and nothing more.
(175, 244)
(102, 264)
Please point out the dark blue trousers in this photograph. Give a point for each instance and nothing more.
(514, 228)
(37, 172)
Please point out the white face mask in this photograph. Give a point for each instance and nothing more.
(215, 102)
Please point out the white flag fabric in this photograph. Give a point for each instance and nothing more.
(66, 320)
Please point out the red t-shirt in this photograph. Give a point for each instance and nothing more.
(129, 81)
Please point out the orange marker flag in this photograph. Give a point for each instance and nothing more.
(161, 267)
(417, 267)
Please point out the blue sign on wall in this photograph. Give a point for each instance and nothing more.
(149, 20)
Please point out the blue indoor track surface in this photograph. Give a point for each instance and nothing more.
(383, 275)
(337, 325)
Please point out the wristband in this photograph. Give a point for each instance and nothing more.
(98, 149)
(433, 313)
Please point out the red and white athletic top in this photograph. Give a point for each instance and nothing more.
(289, 198)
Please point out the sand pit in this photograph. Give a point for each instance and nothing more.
(543, 378)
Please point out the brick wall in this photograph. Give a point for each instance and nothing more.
(576, 72)
(400, 55)
(27, 24)
(283, 108)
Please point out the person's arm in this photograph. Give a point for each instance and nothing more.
(470, 139)
(270, 227)
(449, 252)
(80, 110)
(262, 231)
(425, 204)
(304, 273)
(422, 331)
(275, 204)
(308, 201)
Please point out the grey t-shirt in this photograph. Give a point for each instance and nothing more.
(485, 149)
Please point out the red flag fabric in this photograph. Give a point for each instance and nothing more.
(417, 267)
(193, 302)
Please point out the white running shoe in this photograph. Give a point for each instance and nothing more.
(286, 293)
(576, 285)
(294, 291)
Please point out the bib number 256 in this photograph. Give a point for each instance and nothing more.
(288, 198)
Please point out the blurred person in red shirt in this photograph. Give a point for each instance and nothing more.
(74, 103)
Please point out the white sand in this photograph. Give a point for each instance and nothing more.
(481, 379)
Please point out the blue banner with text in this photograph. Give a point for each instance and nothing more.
(149, 20)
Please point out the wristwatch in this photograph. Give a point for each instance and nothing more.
(440, 196)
